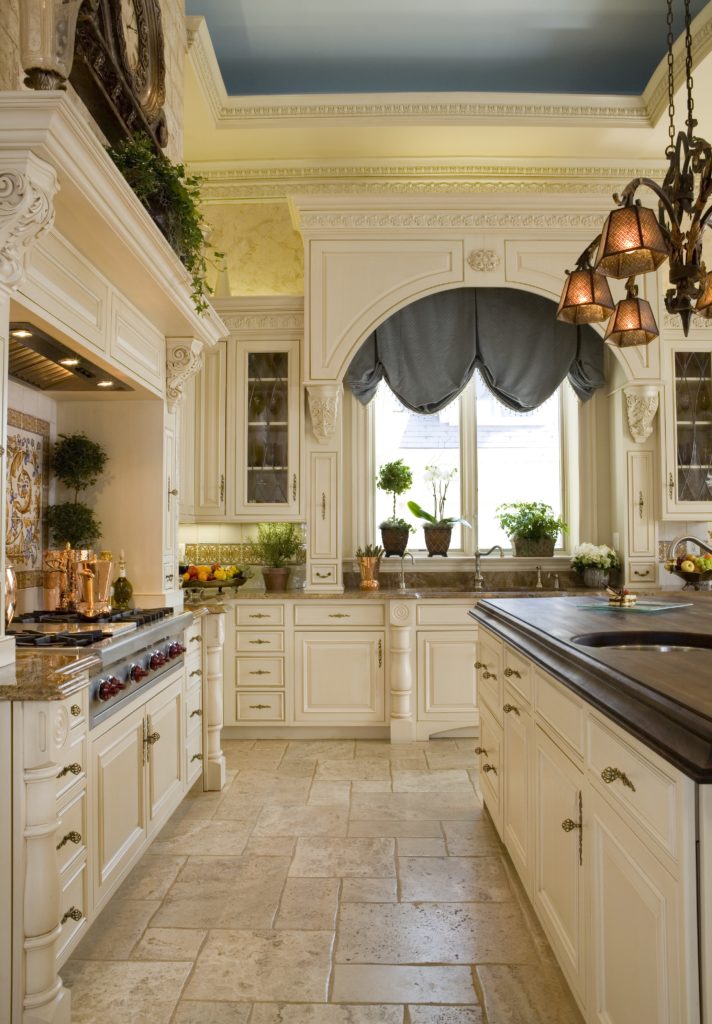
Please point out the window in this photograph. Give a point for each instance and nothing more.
(500, 456)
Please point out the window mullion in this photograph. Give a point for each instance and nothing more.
(468, 466)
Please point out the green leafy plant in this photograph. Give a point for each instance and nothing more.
(369, 551)
(77, 462)
(276, 544)
(394, 478)
(530, 520)
(172, 197)
(440, 480)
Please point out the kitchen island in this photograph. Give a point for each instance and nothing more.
(595, 767)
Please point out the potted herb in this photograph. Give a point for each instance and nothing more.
(394, 478)
(532, 528)
(594, 562)
(77, 463)
(438, 528)
(369, 562)
(275, 545)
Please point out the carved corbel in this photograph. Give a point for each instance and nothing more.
(641, 406)
(324, 402)
(27, 189)
(184, 358)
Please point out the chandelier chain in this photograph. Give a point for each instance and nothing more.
(691, 122)
(670, 77)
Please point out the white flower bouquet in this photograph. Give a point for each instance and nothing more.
(596, 556)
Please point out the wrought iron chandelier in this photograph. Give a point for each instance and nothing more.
(636, 240)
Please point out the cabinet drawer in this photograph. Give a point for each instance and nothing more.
(321, 573)
(518, 673)
(259, 671)
(193, 709)
(193, 639)
(560, 710)
(489, 672)
(491, 766)
(254, 706)
(72, 761)
(73, 908)
(439, 614)
(194, 675)
(642, 572)
(259, 643)
(72, 831)
(77, 708)
(654, 802)
(263, 614)
(339, 614)
(194, 756)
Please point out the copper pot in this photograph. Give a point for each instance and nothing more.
(10, 593)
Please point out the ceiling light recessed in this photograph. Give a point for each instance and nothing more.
(105, 383)
(21, 334)
(69, 361)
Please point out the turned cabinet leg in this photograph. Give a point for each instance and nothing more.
(214, 770)
(401, 672)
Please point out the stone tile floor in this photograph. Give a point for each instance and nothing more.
(331, 882)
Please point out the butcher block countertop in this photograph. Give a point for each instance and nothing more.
(663, 698)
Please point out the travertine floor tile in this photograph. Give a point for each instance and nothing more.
(151, 878)
(299, 820)
(527, 995)
(449, 879)
(116, 931)
(198, 805)
(417, 828)
(445, 1015)
(409, 806)
(431, 933)
(198, 836)
(348, 771)
(239, 807)
(372, 786)
(212, 1013)
(219, 892)
(421, 848)
(471, 838)
(316, 1013)
(330, 793)
(124, 993)
(326, 858)
(271, 966)
(322, 750)
(369, 890)
(309, 903)
(271, 787)
(169, 944)
(461, 759)
(270, 846)
(388, 984)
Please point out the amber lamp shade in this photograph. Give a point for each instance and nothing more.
(632, 323)
(586, 298)
(631, 243)
(703, 306)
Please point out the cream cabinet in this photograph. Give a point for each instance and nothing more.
(518, 760)
(340, 677)
(490, 754)
(187, 458)
(260, 669)
(641, 552)
(210, 405)
(446, 677)
(687, 413)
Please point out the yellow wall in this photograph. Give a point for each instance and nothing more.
(264, 255)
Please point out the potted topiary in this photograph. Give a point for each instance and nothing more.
(77, 462)
(275, 545)
(532, 528)
(438, 527)
(394, 478)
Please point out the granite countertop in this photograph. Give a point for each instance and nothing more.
(46, 676)
(664, 698)
(410, 594)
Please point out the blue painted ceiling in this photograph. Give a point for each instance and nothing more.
(344, 46)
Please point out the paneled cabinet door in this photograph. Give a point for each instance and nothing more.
(491, 766)
(324, 542)
(641, 517)
(446, 677)
(518, 732)
(210, 429)
(187, 452)
(170, 502)
(164, 752)
(340, 677)
(120, 814)
(558, 885)
(687, 483)
(637, 968)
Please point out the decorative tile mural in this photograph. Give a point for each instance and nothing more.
(27, 494)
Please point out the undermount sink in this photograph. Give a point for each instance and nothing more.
(661, 641)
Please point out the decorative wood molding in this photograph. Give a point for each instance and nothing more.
(641, 407)
(184, 358)
(672, 322)
(484, 260)
(264, 322)
(419, 220)
(27, 189)
(324, 405)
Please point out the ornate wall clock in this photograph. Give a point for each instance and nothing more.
(119, 68)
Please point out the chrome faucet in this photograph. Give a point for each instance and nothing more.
(406, 554)
(555, 577)
(479, 578)
(539, 585)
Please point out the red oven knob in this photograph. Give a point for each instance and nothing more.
(105, 691)
(116, 685)
(157, 660)
(136, 673)
(175, 650)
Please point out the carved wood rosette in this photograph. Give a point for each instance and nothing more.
(324, 405)
(484, 260)
(184, 358)
(27, 191)
(641, 407)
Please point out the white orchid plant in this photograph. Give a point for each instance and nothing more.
(440, 480)
(598, 556)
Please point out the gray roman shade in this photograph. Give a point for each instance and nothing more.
(428, 351)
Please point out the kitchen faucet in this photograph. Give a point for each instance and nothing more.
(539, 584)
(479, 578)
(406, 554)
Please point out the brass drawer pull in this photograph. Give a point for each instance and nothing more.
(480, 750)
(222, 487)
(323, 505)
(611, 774)
(75, 769)
(641, 504)
(74, 913)
(480, 664)
(339, 615)
(258, 641)
(259, 707)
(671, 485)
(259, 672)
(196, 757)
(153, 737)
(510, 707)
(294, 487)
(637, 573)
(380, 653)
(196, 672)
(509, 672)
(568, 825)
(71, 837)
(257, 615)
(489, 768)
(198, 712)
(75, 710)
(322, 575)
(196, 639)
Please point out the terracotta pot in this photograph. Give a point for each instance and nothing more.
(368, 567)
(526, 547)
(275, 579)
(394, 540)
(437, 540)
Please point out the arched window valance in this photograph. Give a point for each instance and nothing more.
(428, 351)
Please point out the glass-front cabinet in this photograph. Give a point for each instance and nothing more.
(688, 430)
(267, 434)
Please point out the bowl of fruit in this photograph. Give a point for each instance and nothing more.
(197, 577)
(694, 569)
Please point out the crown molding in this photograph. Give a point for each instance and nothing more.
(654, 96)
(249, 315)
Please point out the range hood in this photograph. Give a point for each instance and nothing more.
(41, 361)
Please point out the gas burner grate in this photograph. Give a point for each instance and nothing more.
(29, 638)
(141, 616)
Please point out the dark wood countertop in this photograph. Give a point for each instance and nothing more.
(665, 699)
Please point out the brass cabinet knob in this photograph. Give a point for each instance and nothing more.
(510, 707)
(196, 639)
(611, 774)
(75, 710)
(196, 672)
(489, 768)
(153, 737)
(480, 664)
(198, 712)
(71, 837)
(197, 757)
(480, 750)
(75, 769)
(489, 675)
(568, 825)
(509, 672)
(74, 913)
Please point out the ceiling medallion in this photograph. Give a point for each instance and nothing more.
(637, 240)
(485, 260)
